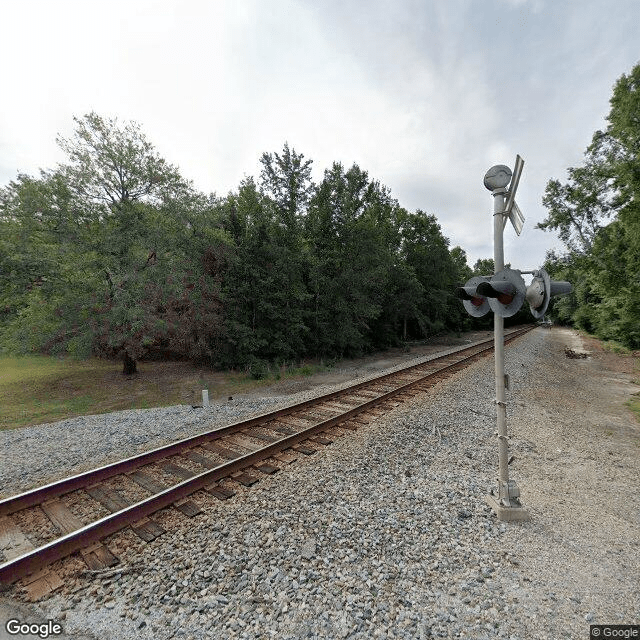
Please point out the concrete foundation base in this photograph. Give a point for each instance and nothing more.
(507, 514)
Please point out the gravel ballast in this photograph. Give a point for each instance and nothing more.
(385, 533)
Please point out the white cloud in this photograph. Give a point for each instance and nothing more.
(426, 96)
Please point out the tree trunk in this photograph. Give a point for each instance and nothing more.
(130, 366)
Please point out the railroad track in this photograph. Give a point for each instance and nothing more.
(128, 492)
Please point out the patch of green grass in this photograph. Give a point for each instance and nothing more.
(36, 389)
(634, 405)
(615, 347)
(27, 369)
(263, 372)
(307, 370)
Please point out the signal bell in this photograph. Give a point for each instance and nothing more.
(475, 304)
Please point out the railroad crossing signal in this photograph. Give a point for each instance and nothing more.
(499, 177)
(504, 292)
(541, 289)
(511, 209)
(475, 304)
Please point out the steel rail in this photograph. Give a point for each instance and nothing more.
(64, 546)
(33, 497)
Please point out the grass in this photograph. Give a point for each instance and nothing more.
(634, 405)
(265, 372)
(615, 347)
(37, 389)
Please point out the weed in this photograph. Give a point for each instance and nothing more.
(259, 370)
(615, 347)
(634, 405)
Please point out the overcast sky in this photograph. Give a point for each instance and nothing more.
(424, 95)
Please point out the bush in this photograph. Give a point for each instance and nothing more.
(259, 369)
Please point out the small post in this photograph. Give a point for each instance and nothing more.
(506, 504)
(205, 398)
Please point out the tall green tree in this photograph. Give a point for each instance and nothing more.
(597, 215)
(105, 250)
(43, 239)
(119, 179)
(264, 290)
(286, 179)
(437, 269)
(354, 265)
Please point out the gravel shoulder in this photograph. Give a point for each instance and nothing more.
(385, 534)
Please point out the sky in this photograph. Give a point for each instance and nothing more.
(424, 95)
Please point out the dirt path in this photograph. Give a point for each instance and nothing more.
(578, 464)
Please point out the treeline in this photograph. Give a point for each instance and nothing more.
(597, 215)
(115, 254)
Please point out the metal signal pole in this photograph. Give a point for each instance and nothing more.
(498, 343)
(506, 503)
(503, 293)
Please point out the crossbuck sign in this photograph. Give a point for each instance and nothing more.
(511, 209)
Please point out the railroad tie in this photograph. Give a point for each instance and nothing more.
(198, 458)
(146, 528)
(244, 478)
(267, 468)
(287, 456)
(219, 491)
(98, 556)
(254, 433)
(221, 450)
(281, 428)
(13, 543)
(307, 451)
(187, 507)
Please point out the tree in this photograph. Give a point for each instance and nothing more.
(597, 215)
(353, 246)
(112, 165)
(286, 179)
(117, 177)
(483, 267)
(461, 272)
(437, 270)
(113, 252)
(264, 292)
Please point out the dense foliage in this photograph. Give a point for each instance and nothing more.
(597, 215)
(115, 254)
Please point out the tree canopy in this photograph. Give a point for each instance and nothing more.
(597, 215)
(113, 253)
